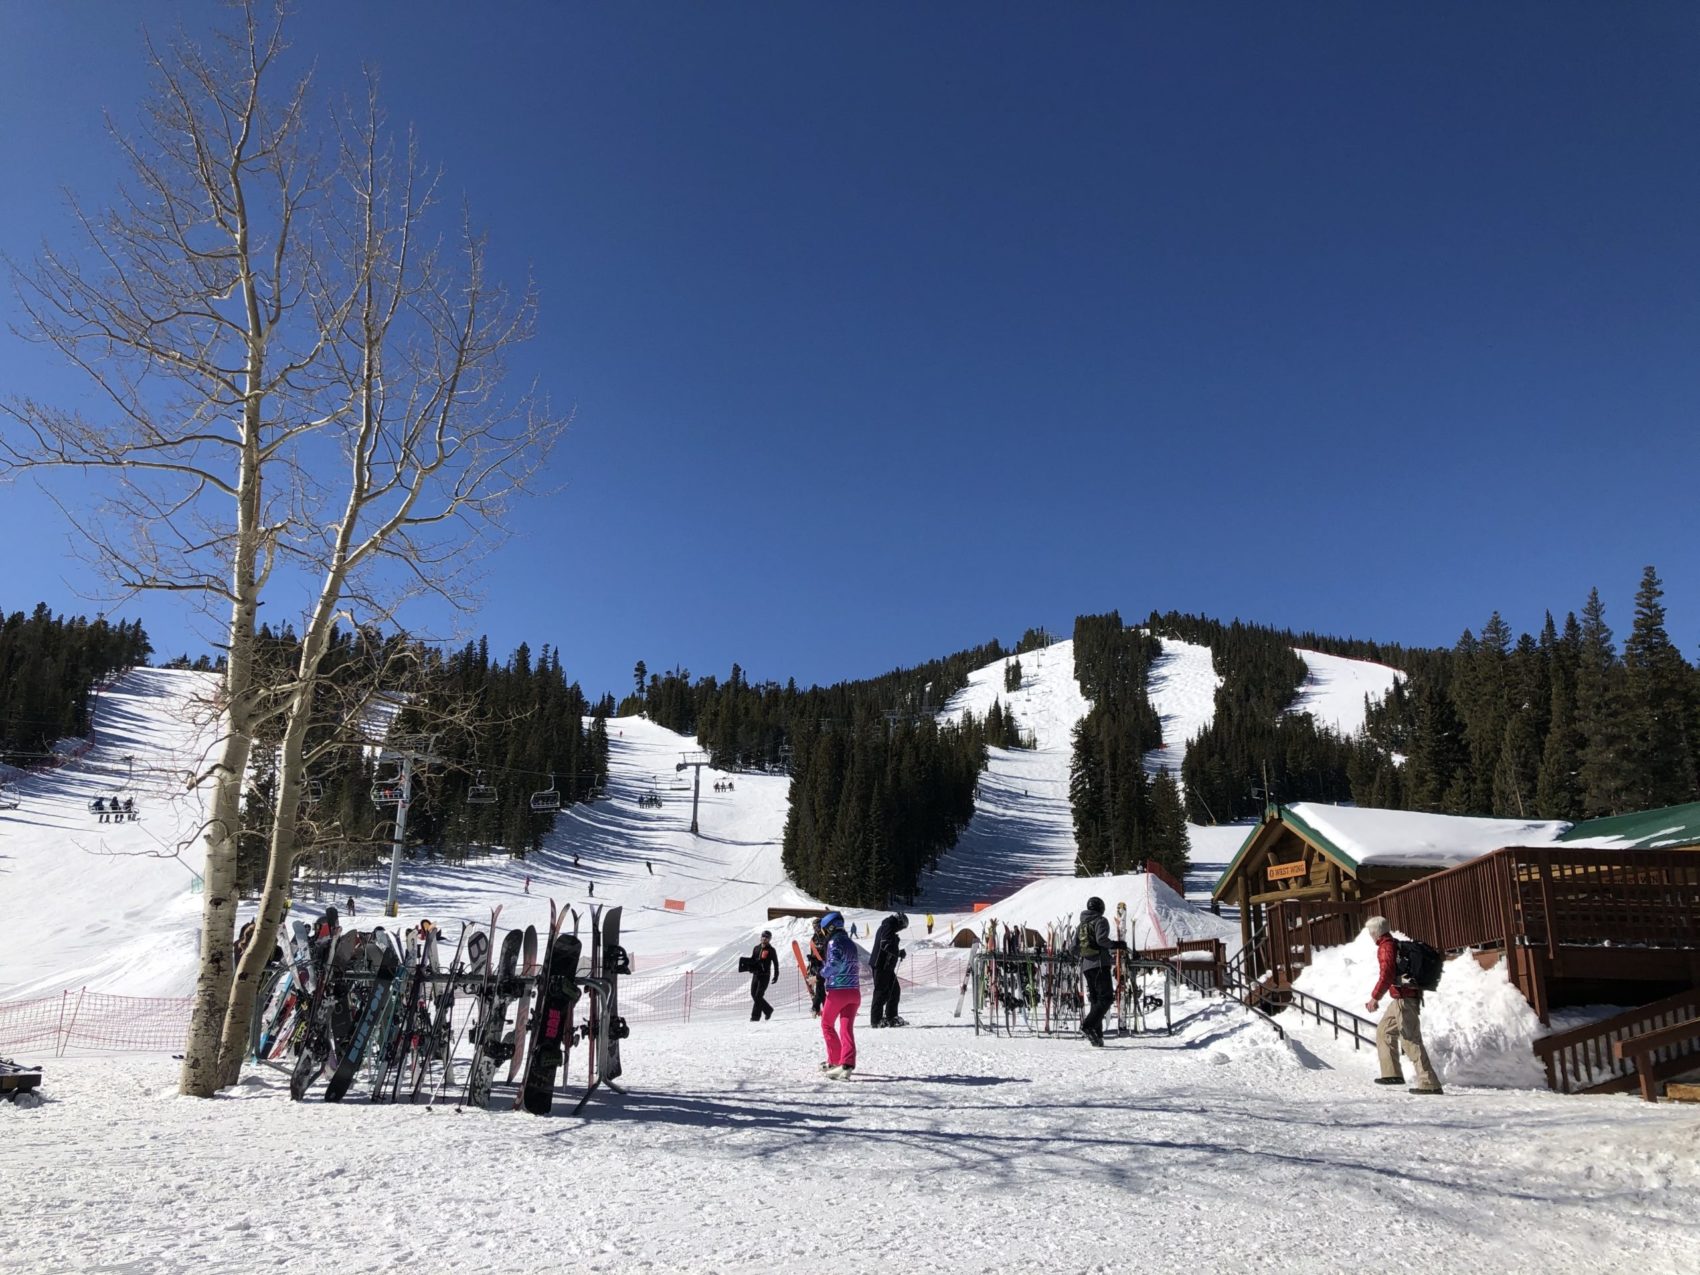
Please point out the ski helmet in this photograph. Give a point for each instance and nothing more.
(831, 919)
(1095, 905)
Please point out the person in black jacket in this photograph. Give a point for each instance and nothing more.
(1096, 950)
(884, 958)
(764, 968)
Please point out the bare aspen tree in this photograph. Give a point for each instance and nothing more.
(336, 425)
(183, 306)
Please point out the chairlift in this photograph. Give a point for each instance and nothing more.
(9, 798)
(120, 807)
(481, 793)
(547, 800)
(312, 792)
(390, 792)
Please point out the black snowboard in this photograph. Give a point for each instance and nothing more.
(551, 1033)
(366, 1003)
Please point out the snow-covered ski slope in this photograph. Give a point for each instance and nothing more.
(111, 906)
(1335, 688)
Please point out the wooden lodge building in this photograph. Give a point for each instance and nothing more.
(1601, 912)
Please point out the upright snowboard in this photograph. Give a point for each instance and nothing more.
(552, 1032)
(366, 1003)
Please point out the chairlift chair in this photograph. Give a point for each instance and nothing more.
(389, 793)
(481, 793)
(9, 798)
(547, 800)
(312, 792)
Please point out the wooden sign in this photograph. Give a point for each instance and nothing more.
(1286, 871)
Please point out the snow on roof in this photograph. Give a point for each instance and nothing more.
(1668, 828)
(1414, 838)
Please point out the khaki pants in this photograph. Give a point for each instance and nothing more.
(1402, 1024)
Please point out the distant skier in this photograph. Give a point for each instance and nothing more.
(351, 905)
(929, 923)
(528, 883)
(650, 866)
(842, 974)
(764, 968)
(1095, 947)
(591, 886)
(1402, 1024)
(884, 958)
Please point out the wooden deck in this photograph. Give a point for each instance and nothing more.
(1566, 919)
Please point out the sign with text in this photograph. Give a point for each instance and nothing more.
(1285, 871)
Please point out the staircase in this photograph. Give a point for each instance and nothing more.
(1639, 1048)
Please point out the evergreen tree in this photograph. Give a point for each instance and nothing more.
(1170, 845)
(1600, 717)
(1657, 685)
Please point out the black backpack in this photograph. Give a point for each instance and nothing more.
(1418, 964)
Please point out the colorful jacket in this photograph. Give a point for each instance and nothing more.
(843, 968)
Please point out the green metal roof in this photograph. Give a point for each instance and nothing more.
(1644, 829)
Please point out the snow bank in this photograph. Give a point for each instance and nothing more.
(1159, 917)
(1478, 1028)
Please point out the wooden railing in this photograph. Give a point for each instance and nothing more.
(1583, 1059)
(1544, 898)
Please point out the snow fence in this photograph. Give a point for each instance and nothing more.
(83, 1020)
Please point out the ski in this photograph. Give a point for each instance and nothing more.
(312, 1034)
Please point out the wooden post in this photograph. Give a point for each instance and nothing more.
(1546, 908)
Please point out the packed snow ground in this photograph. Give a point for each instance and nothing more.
(1217, 1149)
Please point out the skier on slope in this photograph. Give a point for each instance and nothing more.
(842, 974)
(764, 966)
(1095, 947)
(883, 958)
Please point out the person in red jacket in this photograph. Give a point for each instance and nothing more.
(1402, 1024)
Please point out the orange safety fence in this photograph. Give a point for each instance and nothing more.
(85, 1020)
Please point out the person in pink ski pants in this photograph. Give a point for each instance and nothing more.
(842, 974)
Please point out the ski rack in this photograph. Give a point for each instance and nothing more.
(1036, 993)
(609, 1027)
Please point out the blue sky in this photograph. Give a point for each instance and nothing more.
(893, 328)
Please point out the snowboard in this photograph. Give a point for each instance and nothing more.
(488, 1048)
(522, 1014)
(614, 963)
(551, 1035)
(366, 1004)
